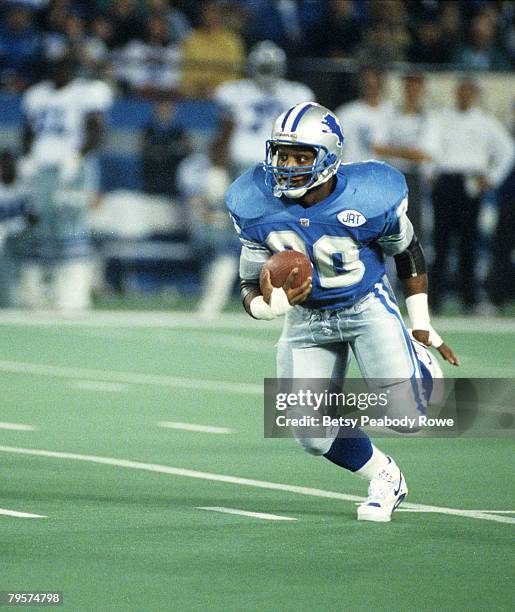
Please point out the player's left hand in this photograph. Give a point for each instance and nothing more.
(445, 351)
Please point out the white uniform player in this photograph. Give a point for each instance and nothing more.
(249, 108)
(253, 104)
(63, 128)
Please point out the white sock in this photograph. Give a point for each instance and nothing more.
(374, 466)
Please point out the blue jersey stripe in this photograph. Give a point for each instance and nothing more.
(414, 361)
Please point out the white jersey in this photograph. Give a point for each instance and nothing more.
(361, 125)
(57, 116)
(254, 111)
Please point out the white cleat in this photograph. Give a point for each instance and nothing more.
(385, 494)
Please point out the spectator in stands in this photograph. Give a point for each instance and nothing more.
(282, 21)
(428, 45)
(337, 35)
(380, 46)
(393, 14)
(472, 153)
(362, 119)
(211, 54)
(203, 181)
(451, 27)
(164, 145)
(20, 47)
(177, 22)
(98, 44)
(127, 22)
(71, 37)
(149, 66)
(404, 141)
(482, 52)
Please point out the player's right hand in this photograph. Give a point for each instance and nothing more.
(295, 295)
(299, 294)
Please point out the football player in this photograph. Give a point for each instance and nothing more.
(250, 105)
(345, 218)
(63, 127)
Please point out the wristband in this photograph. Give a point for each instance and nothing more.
(279, 303)
(418, 311)
(434, 338)
(260, 309)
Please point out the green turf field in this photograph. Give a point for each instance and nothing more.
(121, 495)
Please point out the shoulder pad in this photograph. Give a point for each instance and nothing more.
(248, 197)
(377, 184)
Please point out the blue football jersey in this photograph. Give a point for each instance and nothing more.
(345, 235)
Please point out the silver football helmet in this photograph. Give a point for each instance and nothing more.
(266, 63)
(311, 125)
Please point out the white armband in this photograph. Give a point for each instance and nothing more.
(418, 311)
(434, 338)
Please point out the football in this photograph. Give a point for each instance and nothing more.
(282, 263)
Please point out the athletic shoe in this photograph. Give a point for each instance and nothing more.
(385, 493)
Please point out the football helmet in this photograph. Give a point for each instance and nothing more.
(266, 63)
(311, 125)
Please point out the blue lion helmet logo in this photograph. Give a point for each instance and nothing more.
(333, 128)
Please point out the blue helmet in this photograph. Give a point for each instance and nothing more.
(311, 125)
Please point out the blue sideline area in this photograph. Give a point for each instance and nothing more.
(128, 116)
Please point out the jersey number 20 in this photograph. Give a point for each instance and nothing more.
(336, 257)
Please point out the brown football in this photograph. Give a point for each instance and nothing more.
(282, 263)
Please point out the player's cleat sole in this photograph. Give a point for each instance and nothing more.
(385, 495)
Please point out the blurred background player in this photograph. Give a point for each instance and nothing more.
(202, 181)
(473, 153)
(62, 129)
(14, 211)
(250, 105)
(364, 118)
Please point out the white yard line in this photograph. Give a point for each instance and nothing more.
(247, 482)
(17, 427)
(259, 515)
(188, 320)
(98, 385)
(192, 338)
(16, 514)
(194, 427)
(198, 384)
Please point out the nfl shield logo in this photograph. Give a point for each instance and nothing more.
(304, 222)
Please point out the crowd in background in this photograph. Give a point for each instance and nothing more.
(188, 48)
(239, 54)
